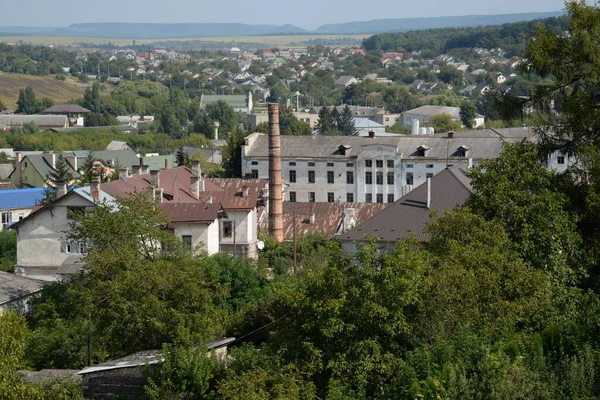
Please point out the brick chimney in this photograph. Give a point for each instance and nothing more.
(275, 180)
(244, 191)
(141, 171)
(95, 189)
(155, 178)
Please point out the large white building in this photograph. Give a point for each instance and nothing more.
(370, 169)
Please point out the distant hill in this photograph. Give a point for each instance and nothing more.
(409, 24)
(169, 31)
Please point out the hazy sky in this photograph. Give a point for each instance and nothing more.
(307, 14)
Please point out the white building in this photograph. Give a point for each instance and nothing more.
(424, 113)
(365, 169)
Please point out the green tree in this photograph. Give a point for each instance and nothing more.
(91, 98)
(61, 173)
(326, 124)
(27, 103)
(346, 123)
(444, 123)
(468, 113)
(232, 154)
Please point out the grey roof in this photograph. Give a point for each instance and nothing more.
(58, 121)
(487, 146)
(66, 108)
(234, 100)
(117, 145)
(14, 287)
(343, 80)
(6, 170)
(430, 111)
(449, 189)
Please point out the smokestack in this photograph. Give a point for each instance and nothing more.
(95, 188)
(124, 172)
(275, 181)
(18, 159)
(154, 178)
(216, 126)
(428, 193)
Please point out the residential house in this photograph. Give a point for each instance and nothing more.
(16, 204)
(16, 291)
(43, 122)
(370, 169)
(424, 113)
(387, 119)
(345, 81)
(239, 103)
(408, 216)
(75, 112)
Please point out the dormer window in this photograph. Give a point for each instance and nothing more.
(422, 150)
(463, 151)
(344, 149)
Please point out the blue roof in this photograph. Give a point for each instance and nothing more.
(20, 198)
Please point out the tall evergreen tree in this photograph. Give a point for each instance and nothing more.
(61, 173)
(27, 103)
(325, 124)
(335, 118)
(346, 124)
(91, 98)
(468, 113)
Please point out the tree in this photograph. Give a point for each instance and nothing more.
(232, 154)
(346, 122)
(60, 173)
(468, 113)
(2, 106)
(326, 124)
(182, 158)
(444, 123)
(27, 104)
(91, 98)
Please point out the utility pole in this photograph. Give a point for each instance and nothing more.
(295, 253)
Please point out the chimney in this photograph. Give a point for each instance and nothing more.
(428, 193)
(371, 134)
(141, 171)
(196, 181)
(124, 172)
(451, 135)
(311, 219)
(216, 126)
(50, 159)
(166, 163)
(244, 191)
(18, 159)
(61, 189)
(95, 188)
(470, 165)
(209, 199)
(154, 178)
(275, 181)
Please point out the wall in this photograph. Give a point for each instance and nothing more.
(29, 175)
(16, 214)
(205, 237)
(245, 222)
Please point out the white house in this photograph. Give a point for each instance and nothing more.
(424, 113)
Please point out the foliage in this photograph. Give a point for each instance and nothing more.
(60, 173)
(444, 123)
(232, 154)
(8, 250)
(468, 113)
(27, 103)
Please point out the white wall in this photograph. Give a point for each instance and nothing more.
(245, 223)
(205, 237)
(16, 214)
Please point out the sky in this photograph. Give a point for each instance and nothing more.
(308, 14)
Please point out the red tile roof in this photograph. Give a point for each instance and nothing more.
(191, 212)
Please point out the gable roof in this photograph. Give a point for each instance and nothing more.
(66, 108)
(14, 287)
(191, 212)
(344, 80)
(59, 121)
(449, 189)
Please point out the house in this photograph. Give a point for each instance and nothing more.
(357, 111)
(329, 219)
(368, 125)
(424, 113)
(370, 169)
(44, 122)
(345, 81)
(239, 103)
(387, 119)
(212, 155)
(16, 204)
(16, 291)
(125, 378)
(499, 76)
(118, 145)
(408, 216)
(75, 112)
(135, 120)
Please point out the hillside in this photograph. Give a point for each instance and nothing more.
(43, 86)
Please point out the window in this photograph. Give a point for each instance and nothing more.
(6, 217)
(254, 163)
(187, 242)
(311, 197)
(349, 164)
(68, 248)
(390, 178)
(368, 163)
(330, 164)
(390, 163)
(379, 177)
(330, 197)
(227, 229)
(292, 197)
(380, 197)
(369, 178)
(254, 174)
(330, 177)
(379, 163)
(81, 248)
(428, 165)
(461, 152)
(71, 211)
(368, 198)
(390, 198)
(311, 164)
(350, 177)
(311, 176)
(292, 163)
(409, 165)
(560, 159)
(350, 197)
(409, 178)
(429, 175)
(293, 176)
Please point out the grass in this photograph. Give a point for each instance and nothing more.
(43, 86)
(274, 40)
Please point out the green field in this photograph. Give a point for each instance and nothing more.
(267, 40)
(43, 86)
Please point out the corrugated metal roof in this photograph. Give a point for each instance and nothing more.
(409, 214)
(58, 121)
(20, 198)
(14, 286)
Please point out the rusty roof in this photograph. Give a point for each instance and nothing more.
(449, 189)
(175, 183)
(191, 212)
(328, 217)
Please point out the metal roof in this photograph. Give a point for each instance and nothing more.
(191, 212)
(449, 189)
(430, 111)
(13, 287)
(20, 198)
(59, 121)
(66, 108)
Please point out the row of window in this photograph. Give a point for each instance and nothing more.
(378, 178)
(349, 197)
(330, 176)
(329, 164)
(379, 163)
